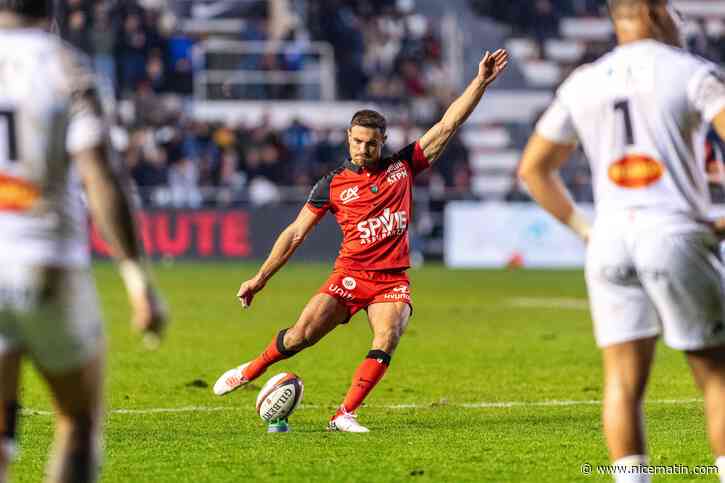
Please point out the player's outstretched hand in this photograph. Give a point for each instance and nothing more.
(248, 290)
(492, 65)
(149, 311)
(149, 316)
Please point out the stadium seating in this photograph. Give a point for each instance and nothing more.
(203, 95)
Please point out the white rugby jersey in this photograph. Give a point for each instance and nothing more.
(48, 111)
(641, 114)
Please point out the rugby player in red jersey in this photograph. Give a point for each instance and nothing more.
(371, 198)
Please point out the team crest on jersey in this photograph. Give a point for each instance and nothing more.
(350, 194)
(635, 171)
(349, 283)
(17, 194)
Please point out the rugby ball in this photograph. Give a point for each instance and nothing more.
(280, 396)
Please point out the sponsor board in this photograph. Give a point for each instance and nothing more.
(221, 234)
(497, 234)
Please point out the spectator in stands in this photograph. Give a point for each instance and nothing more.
(147, 165)
(327, 152)
(343, 30)
(545, 22)
(298, 140)
(132, 44)
(180, 64)
(156, 71)
(102, 39)
(78, 31)
(184, 184)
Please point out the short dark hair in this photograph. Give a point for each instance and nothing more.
(28, 8)
(369, 118)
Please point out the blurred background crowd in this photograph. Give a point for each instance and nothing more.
(395, 54)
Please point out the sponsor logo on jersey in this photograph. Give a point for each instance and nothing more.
(398, 293)
(384, 226)
(17, 194)
(350, 194)
(396, 172)
(349, 283)
(635, 171)
(396, 166)
(340, 292)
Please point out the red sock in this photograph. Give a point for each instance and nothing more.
(367, 375)
(274, 352)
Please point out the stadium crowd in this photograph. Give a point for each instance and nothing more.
(132, 47)
(385, 51)
(148, 65)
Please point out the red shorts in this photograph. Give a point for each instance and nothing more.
(358, 289)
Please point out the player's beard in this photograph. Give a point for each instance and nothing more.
(367, 162)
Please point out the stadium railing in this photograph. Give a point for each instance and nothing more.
(234, 70)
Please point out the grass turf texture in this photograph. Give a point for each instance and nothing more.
(476, 336)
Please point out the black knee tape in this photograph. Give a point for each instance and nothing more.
(380, 356)
(11, 411)
(280, 344)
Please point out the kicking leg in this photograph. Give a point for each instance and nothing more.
(388, 322)
(626, 370)
(321, 314)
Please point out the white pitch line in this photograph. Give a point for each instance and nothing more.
(476, 405)
(549, 303)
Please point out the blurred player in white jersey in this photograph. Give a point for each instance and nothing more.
(653, 266)
(52, 140)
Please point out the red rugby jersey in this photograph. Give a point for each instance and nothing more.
(373, 208)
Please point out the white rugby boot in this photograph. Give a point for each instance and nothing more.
(346, 422)
(231, 380)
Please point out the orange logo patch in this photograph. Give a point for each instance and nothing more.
(16, 194)
(635, 171)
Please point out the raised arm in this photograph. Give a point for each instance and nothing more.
(435, 140)
(287, 243)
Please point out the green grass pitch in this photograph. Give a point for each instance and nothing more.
(477, 338)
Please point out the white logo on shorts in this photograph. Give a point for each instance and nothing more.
(349, 283)
(398, 293)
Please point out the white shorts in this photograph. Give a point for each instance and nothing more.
(51, 315)
(650, 274)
